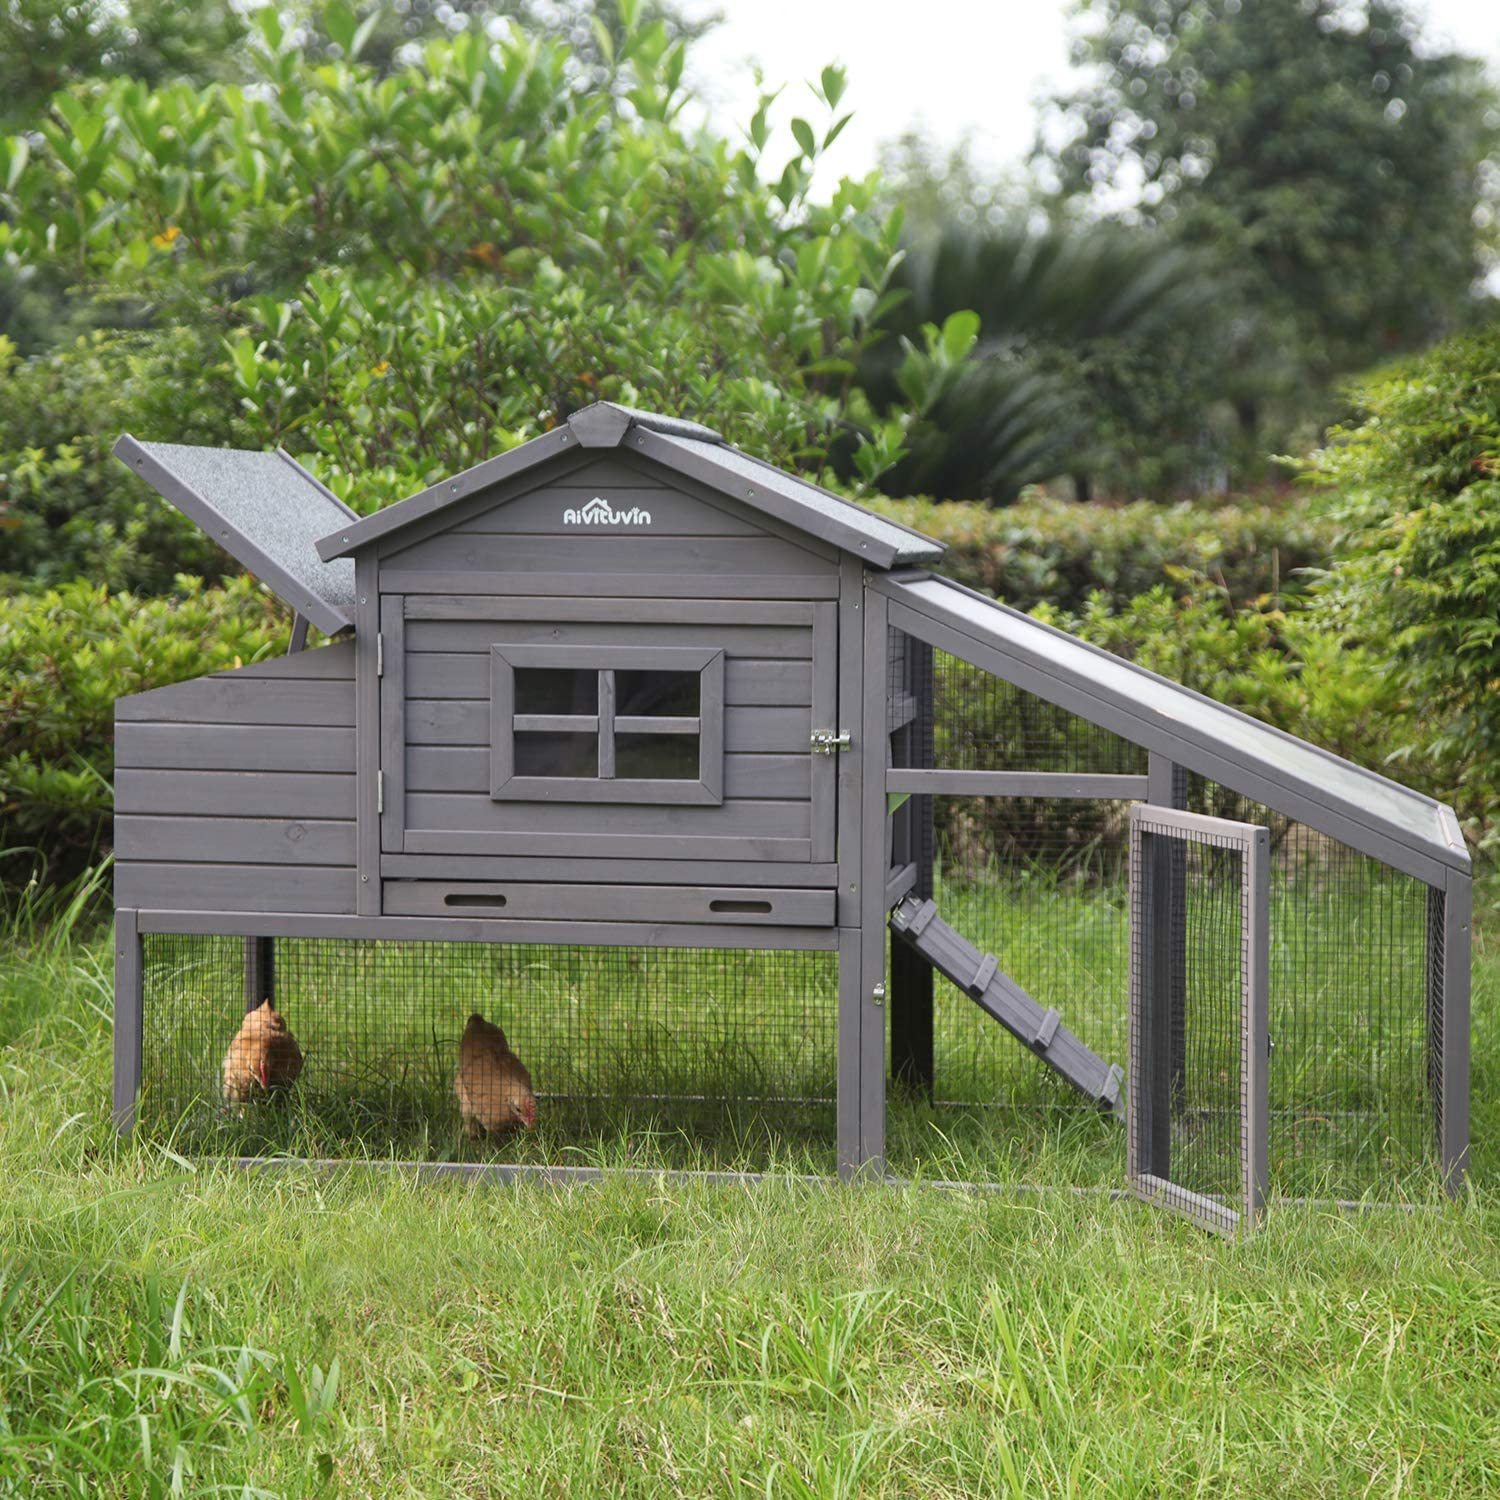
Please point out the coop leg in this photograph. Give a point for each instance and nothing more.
(911, 975)
(1448, 1020)
(848, 1084)
(1167, 786)
(129, 1020)
(260, 971)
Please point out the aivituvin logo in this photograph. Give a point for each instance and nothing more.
(599, 512)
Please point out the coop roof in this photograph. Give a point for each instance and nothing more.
(694, 451)
(265, 510)
(1359, 807)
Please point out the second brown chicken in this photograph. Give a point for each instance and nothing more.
(492, 1084)
(263, 1057)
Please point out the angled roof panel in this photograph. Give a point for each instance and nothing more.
(1316, 787)
(690, 449)
(265, 510)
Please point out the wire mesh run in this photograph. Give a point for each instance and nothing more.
(1355, 1010)
(1041, 884)
(1191, 1109)
(980, 722)
(662, 1056)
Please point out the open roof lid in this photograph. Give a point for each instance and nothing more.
(265, 510)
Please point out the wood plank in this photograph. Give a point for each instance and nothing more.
(780, 642)
(823, 769)
(748, 681)
(331, 663)
(945, 783)
(392, 689)
(225, 888)
(242, 922)
(621, 585)
(235, 840)
(672, 512)
(236, 700)
(465, 768)
(633, 846)
(755, 906)
(230, 747)
(640, 871)
(460, 812)
(251, 794)
(465, 721)
(367, 734)
(613, 555)
(673, 610)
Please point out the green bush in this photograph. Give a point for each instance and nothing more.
(68, 509)
(65, 656)
(1056, 553)
(1418, 583)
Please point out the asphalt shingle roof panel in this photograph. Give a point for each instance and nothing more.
(265, 510)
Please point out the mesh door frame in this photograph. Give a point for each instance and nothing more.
(1155, 992)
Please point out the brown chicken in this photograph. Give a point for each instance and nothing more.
(263, 1058)
(492, 1084)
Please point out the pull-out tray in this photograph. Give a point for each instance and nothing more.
(750, 906)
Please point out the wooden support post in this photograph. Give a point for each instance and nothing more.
(1451, 1028)
(260, 971)
(1167, 786)
(875, 861)
(911, 986)
(129, 1020)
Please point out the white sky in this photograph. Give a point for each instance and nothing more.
(953, 67)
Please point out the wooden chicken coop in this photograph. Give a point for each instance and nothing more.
(692, 775)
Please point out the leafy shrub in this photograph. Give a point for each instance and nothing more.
(65, 656)
(1055, 553)
(68, 509)
(1418, 585)
(412, 272)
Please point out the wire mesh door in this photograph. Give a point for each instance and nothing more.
(1198, 1111)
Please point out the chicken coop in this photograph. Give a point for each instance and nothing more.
(764, 844)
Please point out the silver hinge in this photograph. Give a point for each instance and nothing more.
(379, 655)
(826, 742)
(380, 791)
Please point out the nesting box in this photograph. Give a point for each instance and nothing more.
(625, 698)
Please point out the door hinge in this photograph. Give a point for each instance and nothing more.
(379, 655)
(380, 791)
(826, 742)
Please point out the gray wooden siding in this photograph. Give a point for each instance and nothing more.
(236, 791)
(516, 540)
(768, 771)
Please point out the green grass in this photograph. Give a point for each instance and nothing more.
(170, 1326)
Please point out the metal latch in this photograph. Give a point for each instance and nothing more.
(826, 742)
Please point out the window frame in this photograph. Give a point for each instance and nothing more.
(707, 662)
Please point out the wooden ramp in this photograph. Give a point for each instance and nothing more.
(979, 976)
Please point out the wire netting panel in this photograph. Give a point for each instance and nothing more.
(1041, 884)
(980, 722)
(1190, 1104)
(677, 1056)
(1355, 1008)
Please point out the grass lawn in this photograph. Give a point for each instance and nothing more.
(173, 1327)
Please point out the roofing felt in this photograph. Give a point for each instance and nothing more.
(1207, 736)
(686, 446)
(265, 510)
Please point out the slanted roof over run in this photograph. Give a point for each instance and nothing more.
(265, 510)
(694, 451)
(1365, 810)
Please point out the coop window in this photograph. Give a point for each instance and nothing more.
(615, 724)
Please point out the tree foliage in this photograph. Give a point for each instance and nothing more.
(1418, 476)
(1334, 160)
(399, 274)
(1096, 359)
